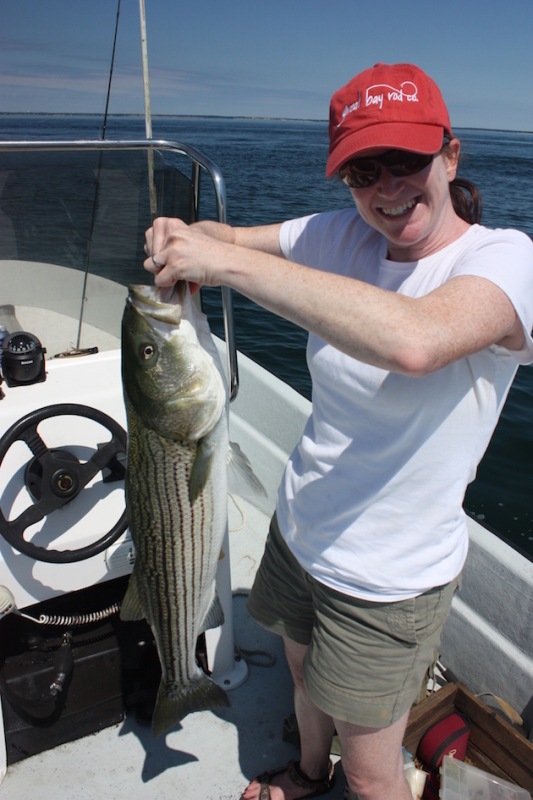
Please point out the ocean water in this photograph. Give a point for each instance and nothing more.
(274, 170)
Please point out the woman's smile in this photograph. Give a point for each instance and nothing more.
(398, 210)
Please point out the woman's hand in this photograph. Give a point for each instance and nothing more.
(177, 251)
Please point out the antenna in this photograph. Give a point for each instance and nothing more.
(96, 191)
(111, 72)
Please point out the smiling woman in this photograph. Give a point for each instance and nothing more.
(361, 172)
(418, 321)
(413, 210)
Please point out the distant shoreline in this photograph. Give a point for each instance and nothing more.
(211, 116)
(154, 116)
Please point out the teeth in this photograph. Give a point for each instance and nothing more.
(393, 212)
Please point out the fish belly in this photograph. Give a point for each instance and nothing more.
(173, 581)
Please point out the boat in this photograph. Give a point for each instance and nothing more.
(73, 220)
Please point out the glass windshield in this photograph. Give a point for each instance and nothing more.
(72, 229)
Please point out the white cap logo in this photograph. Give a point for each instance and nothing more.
(408, 91)
(376, 94)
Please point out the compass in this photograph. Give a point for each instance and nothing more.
(23, 359)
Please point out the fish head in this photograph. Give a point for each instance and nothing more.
(173, 382)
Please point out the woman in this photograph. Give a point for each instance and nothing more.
(418, 320)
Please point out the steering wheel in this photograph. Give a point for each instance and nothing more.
(61, 477)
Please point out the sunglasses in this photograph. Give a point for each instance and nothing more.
(361, 172)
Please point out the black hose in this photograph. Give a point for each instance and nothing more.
(63, 666)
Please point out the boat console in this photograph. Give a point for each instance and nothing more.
(72, 223)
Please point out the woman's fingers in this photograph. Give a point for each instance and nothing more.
(165, 274)
(158, 235)
(176, 251)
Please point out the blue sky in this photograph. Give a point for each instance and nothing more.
(271, 58)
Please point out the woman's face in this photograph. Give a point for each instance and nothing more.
(414, 212)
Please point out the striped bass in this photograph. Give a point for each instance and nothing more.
(176, 487)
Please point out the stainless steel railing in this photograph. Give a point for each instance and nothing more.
(198, 160)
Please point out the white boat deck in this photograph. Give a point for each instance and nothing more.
(211, 755)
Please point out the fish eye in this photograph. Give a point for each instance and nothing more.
(147, 351)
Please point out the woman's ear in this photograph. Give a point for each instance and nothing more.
(451, 157)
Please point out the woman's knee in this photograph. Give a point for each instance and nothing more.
(371, 784)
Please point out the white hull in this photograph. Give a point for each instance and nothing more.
(487, 641)
(213, 755)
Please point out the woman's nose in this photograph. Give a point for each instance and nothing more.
(388, 184)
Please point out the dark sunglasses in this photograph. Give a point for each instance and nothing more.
(361, 172)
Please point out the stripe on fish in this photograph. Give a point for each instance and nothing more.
(176, 489)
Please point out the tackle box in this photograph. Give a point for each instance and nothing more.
(460, 781)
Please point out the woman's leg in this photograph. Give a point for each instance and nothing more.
(371, 757)
(316, 731)
(372, 760)
(315, 727)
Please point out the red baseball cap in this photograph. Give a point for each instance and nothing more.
(396, 106)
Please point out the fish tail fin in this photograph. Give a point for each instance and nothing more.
(172, 705)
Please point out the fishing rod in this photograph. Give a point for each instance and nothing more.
(147, 111)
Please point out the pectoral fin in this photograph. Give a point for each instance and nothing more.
(241, 477)
(201, 468)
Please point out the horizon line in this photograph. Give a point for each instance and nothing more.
(213, 116)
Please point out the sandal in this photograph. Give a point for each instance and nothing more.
(299, 778)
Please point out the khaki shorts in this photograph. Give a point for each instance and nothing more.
(366, 661)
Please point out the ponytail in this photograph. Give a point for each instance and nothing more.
(466, 200)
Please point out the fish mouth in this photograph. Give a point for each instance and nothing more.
(154, 295)
(160, 305)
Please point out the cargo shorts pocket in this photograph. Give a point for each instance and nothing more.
(432, 609)
(413, 621)
(401, 621)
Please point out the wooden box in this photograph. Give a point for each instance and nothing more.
(494, 745)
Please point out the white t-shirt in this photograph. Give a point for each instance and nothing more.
(371, 499)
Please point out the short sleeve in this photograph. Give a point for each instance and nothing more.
(505, 257)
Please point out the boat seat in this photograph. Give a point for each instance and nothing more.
(47, 299)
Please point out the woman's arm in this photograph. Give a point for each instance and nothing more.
(412, 336)
(262, 237)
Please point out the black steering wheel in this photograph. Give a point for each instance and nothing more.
(60, 477)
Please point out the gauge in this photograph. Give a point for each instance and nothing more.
(21, 343)
(23, 359)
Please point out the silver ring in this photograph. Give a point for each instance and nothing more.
(158, 266)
